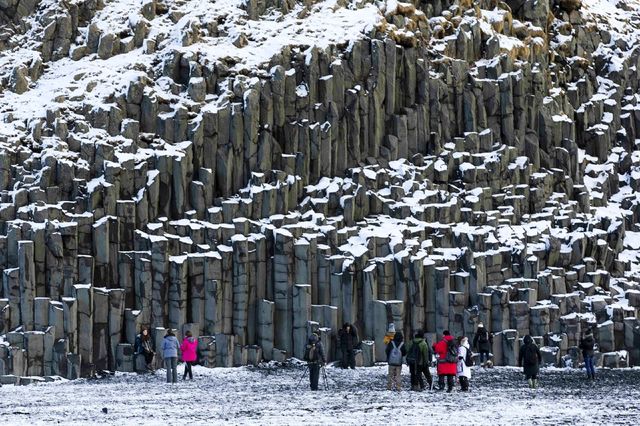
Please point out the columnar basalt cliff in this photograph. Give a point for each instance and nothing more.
(255, 170)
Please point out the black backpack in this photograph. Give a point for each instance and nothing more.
(452, 352)
(483, 337)
(468, 359)
(413, 356)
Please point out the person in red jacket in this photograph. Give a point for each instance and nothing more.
(189, 348)
(447, 354)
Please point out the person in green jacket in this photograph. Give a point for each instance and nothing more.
(418, 358)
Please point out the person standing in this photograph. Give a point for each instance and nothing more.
(144, 347)
(587, 344)
(447, 352)
(395, 351)
(530, 360)
(189, 349)
(464, 370)
(348, 338)
(482, 342)
(418, 358)
(170, 354)
(314, 355)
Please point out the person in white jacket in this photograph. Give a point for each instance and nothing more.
(463, 371)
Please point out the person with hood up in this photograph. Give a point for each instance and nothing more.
(189, 348)
(395, 353)
(530, 360)
(587, 344)
(144, 347)
(348, 339)
(170, 354)
(482, 342)
(447, 354)
(388, 337)
(463, 371)
(418, 358)
(314, 355)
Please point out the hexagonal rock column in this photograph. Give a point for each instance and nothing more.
(240, 288)
(26, 278)
(101, 341)
(84, 296)
(177, 291)
(266, 311)
(34, 345)
(116, 317)
(301, 315)
(283, 279)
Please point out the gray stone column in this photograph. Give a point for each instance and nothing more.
(11, 290)
(116, 321)
(442, 288)
(301, 315)
(265, 331)
(84, 296)
(369, 294)
(26, 278)
(177, 291)
(283, 287)
(240, 288)
(101, 340)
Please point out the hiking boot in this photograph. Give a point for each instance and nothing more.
(535, 383)
(530, 383)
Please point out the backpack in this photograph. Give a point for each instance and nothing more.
(452, 352)
(530, 355)
(468, 360)
(310, 353)
(413, 356)
(483, 337)
(395, 356)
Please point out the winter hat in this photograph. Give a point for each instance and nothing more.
(392, 328)
(480, 325)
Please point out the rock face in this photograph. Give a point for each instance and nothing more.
(435, 165)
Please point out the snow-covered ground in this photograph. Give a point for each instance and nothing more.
(269, 395)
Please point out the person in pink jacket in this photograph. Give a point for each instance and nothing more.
(188, 348)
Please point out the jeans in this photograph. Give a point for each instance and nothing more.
(484, 356)
(171, 364)
(588, 364)
(187, 370)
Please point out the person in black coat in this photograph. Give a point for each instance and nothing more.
(348, 339)
(530, 360)
(482, 342)
(314, 355)
(587, 345)
(144, 347)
